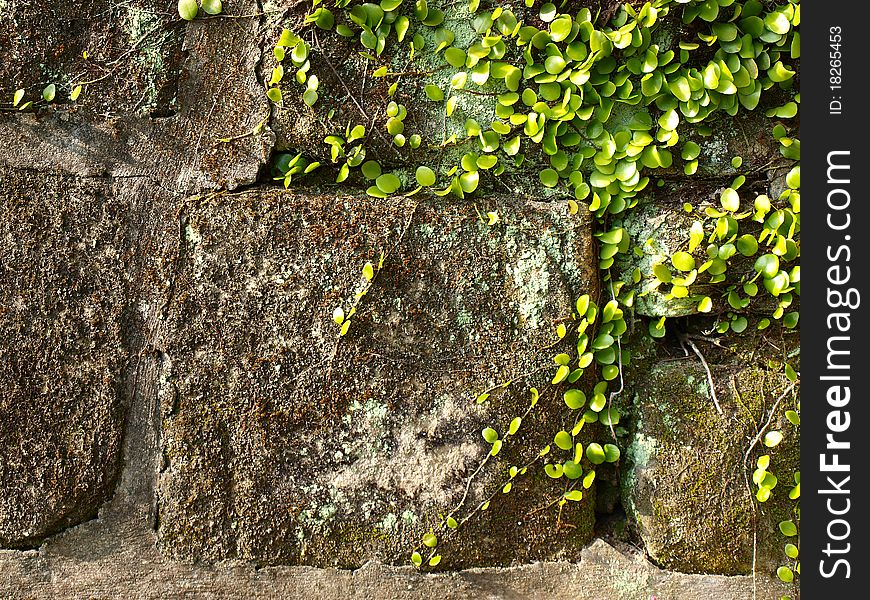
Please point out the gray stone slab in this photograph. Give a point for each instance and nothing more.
(63, 310)
(284, 444)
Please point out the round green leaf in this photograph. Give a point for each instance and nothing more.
(785, 574)
(455, 57)
(49, 92)
(309, 96)
(788, 528)
(690, 151)
(214, 7)
(772, 438)
(564, 440)
(575, 399)
(575, 495)
(609, 417)
(767, 265)
(561, 373)
(747, 245)
(490, 435)
(572, 470)
(388, 183)
(553, 471)
(683, 261)
(549, 177)
(434, 93)
(187, 9)
(595, 453)
(793, 179)
(730, 200)
(371, 169)
(425, 176)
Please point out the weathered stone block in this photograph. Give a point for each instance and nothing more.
(62, 349)
(133, 51)
(685, 482)
(284, 443)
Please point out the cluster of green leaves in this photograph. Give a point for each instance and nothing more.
(766, 481)
(290, 45)
(735, 251)
(49, 93)
(593, 337)
(597, 108)
(188, 9)
(343, 318)
(287, 166)
(585, 94)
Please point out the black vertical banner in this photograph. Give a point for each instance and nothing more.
(835, 446)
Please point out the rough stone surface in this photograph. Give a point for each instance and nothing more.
(62, 313)
(42, 40)
(283, 443)
(128, 567)
(685, 482)
(659, 226)
(176, 417)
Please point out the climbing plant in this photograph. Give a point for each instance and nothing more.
(595, 103)
(599, 104)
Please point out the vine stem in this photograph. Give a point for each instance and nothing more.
(766, 423)
(709, 374)
(369, 285)
(353, 98)
(510, 382)
(615, 393)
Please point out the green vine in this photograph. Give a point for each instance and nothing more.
(595, 105)
(601, 106)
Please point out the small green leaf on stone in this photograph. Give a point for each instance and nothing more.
(785, 574)
(425, 176)
(48, 92)
(772, 438)
(788, 528)
(730, 200)
(187, 9)
(214, 7)
(575, 399)
(595, 453)
(563, 440)
(490, 435)
(434, 93)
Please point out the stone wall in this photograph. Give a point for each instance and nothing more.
(179, 417)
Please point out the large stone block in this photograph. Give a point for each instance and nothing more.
(62, 350)
(284, 443)
(133, 53)
(686, 484)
